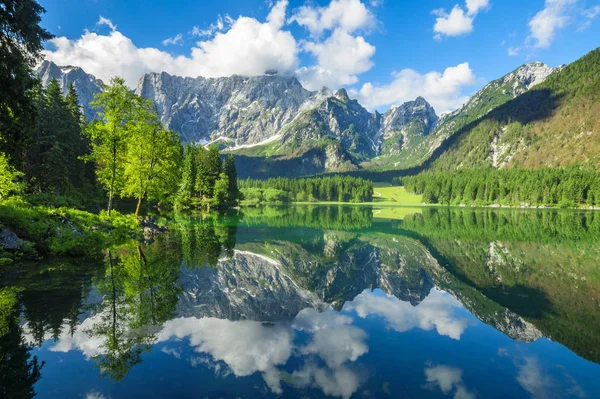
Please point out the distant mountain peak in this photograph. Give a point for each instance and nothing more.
(86, 85)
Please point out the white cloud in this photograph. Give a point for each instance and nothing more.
(459, 21)
(107, 22)
(448, 379)
(248, 47)
(437, 311)
(544, 25)
(347, 15)
(443, 90)
(177, 40)
(342, 55)
(340, 58)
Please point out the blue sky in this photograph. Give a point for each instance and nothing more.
(385, 51)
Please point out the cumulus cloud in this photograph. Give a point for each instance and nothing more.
(340, 58)
(178, 39)
(437, 311)
(340, 53)
(459, 21)
(444, 90)
(247, 47)
(448, 379)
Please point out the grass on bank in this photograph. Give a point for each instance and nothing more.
(61, 231)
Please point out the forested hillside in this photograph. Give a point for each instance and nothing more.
(554, 124)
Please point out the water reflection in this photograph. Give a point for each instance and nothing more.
(317, 301)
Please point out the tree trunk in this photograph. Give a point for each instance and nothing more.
(112, 178)
(137, 208)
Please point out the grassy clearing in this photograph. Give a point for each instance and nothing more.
(395, 195)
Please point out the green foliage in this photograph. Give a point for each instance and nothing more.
(64, 231)
(9, 178)
(207, 181)
(152, 162)
(333, 189)
(109, 136)
(569, 187)
(21, 45)
(54, 162)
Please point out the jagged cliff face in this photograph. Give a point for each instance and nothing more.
(406, 125)
(237, 110)
(87, 86)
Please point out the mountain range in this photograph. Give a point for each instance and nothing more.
(275, 127)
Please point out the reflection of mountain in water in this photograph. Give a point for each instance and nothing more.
(271, 280)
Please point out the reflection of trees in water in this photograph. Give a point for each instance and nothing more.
(19, 370)
(538, 264)
(321, 216)
(140, 293)
(204, 241)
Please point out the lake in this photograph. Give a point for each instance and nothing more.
(315, 302)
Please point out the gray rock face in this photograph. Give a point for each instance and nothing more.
(241, 110)
(405, 124)
(247, 287)
(85, 84)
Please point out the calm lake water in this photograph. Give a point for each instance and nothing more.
(314, 302)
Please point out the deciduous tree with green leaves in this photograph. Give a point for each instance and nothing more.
(109, 134)
(153, 157)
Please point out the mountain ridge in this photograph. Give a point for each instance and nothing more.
(271, 123)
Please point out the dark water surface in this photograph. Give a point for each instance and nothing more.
(312, 302)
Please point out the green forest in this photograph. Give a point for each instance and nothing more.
(562, 187)
(324, 189)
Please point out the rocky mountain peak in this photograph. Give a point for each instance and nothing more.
(399, 116)
(529, 75)
(86, 85)
(342, 95)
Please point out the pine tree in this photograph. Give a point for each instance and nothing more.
(188, 176)
(229, 169)
(58, 151)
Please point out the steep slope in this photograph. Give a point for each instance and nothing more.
(493, 95)
(554, 124)
(85, 84)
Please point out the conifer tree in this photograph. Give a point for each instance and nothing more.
(231, 173)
